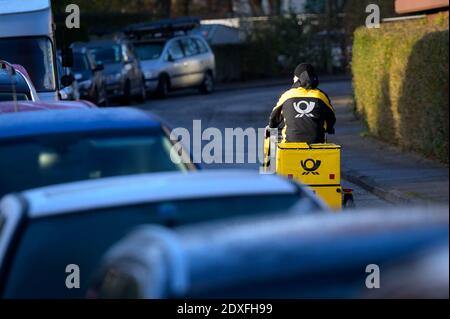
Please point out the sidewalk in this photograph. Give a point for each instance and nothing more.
(396, 176)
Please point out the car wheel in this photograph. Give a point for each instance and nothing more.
(126, 98)
(143, 93)
(95, 97)
(163, 87)
(103, 98)
(207, 86)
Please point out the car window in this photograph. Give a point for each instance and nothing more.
(149, 51)
(201, 46)
(127, 52)
(35, 55)
(106, 55)
(80, 62)
(190, 47)
(176, 51)
(4, 97)
(66, 158)
(83, 238)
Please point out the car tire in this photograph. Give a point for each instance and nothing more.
(163, 87)
(142, 96)
(126, 98)
(207, 86)
(103, 98)
(95, 97)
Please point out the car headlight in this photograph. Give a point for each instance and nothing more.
(148, 74)
(85, 84)
(64, 95)
(111, 78)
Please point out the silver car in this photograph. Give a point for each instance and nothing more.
(76, 223)
(176, 63)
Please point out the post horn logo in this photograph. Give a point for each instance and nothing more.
(310, 166)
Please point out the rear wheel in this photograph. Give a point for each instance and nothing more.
(207, 86)
(349, 201)
(163, 87)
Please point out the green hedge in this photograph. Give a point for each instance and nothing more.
(400, 79)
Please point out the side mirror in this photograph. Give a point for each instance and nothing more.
(129, 61)
(67, 80)
(67, 57)
(170, 58)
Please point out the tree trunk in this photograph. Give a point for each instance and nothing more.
(230, 7)
(275, 7)
(257, 8)
(165, 8)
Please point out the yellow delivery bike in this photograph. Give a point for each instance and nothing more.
(316, 165)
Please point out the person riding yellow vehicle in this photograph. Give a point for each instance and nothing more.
(304, 112)
(304, 115)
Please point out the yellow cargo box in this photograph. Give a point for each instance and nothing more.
(316, 165)
(331, 195)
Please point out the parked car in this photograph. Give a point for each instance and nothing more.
(173, 61)
(89, 75)
(288, 256)
(28, 106)
(54, 147)
(15, 84)
(71, 92)
(76, 223)
(124, 77)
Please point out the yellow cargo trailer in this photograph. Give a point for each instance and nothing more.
(316, 165)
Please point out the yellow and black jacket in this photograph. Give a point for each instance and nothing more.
(304, 115)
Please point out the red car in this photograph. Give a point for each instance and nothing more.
(27, 106)
(15, 81)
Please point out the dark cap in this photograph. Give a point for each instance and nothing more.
(307, 76)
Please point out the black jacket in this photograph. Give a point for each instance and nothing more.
(306, 115)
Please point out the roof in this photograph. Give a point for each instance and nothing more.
(25, 18)
(408, 6)
(28, 106)
(6, 81)
(14, 6)
(98, 44)
(146, 188)
(164, 28)
(269, 248)
(74, 120)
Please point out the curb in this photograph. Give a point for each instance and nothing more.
(391, 195)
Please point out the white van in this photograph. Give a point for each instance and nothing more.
(27, 38)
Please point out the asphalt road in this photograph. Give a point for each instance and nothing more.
(242, 108)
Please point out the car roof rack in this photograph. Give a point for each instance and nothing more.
(166, 28)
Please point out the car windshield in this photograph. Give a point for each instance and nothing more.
(49, 160)
(149, 51)
(36, 55)
(10, 97)
(107, 55)
(80, 62)
(83, 238)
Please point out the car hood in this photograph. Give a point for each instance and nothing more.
(150, 65)
(113, 68)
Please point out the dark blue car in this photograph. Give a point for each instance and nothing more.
(53, 147)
